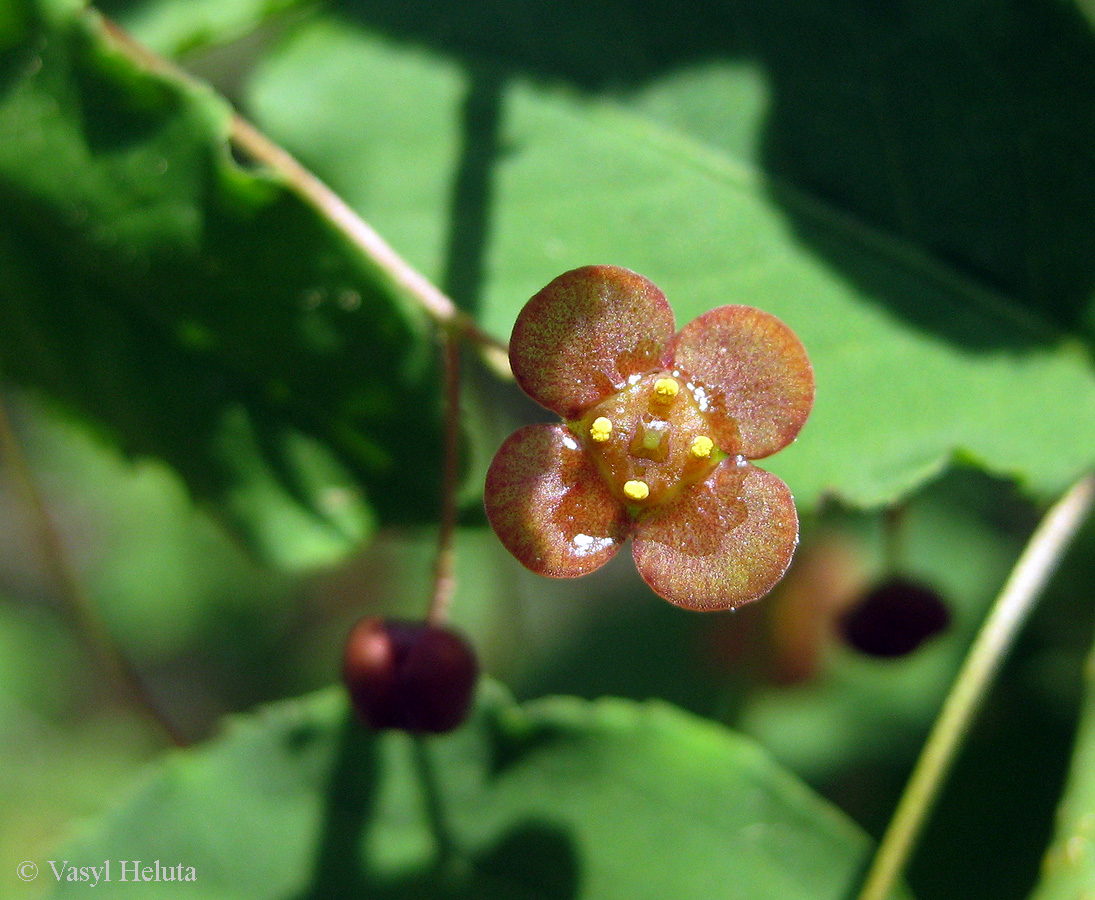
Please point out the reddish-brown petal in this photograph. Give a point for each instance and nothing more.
(549, 505)
(756, 371)
(724, 542)
(583, 335)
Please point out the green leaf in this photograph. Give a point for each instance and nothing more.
(177, 27)
(559, 799)
(993, 171)
(1068, 869)
(917, 365)
(197, 311)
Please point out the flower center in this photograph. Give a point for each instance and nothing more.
(651, 440)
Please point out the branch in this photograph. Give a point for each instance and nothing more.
(436, 304)
(444, 576)
(61, 571)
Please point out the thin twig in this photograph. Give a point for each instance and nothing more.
(112, 661)
(1036, 565)
(436, 304)
(333, 208)
(444, 578)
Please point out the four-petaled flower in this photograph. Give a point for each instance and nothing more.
(659, 430)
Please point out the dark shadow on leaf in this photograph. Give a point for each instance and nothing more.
(510, 746)
(595, 46)
(533, 860)
(118, 109)
(961, 131)
(530, 860)
(469, 222)
(351, 790)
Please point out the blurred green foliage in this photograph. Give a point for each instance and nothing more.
(191, 356)
(560, 799)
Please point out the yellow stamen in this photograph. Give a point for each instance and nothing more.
(600, 429)
(636, 490)
(666, 388)
(702, 447)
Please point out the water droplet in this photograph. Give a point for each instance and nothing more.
(700, 396)
(587, 544)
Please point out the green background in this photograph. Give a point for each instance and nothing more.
(234, 419)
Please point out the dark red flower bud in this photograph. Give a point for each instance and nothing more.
(894, 618)
(411, 676)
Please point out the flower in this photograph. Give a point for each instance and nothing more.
(659, 427)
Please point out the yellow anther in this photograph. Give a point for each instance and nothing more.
(666, 387)
(636, 490)
(702, 447)
(600, 429)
